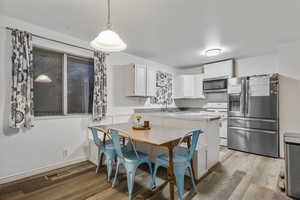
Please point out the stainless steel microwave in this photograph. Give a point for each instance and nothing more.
(215, 85)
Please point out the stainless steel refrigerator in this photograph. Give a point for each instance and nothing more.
(253, 114)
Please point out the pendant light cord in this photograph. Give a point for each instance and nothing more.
(108, 15)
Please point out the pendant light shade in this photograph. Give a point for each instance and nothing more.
(108, 40)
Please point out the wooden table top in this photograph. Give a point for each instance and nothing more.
(157, 135)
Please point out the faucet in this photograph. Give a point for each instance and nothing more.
(166, 106)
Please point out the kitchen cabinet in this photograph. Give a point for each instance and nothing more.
(223, 131)
(207, 150)
(198, 86)
(189, 86)
(219, 69)
(141, 81)
(151, 82)
(184, 86)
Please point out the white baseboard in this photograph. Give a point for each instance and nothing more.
(33, 172)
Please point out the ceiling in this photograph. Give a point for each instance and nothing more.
(172, 32)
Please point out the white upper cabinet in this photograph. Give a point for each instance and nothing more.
(184, 86)
(189, 86)
(141, 81)
(198, 86)
(219, 69)
(151, 82)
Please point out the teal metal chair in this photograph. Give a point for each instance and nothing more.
(130, 159)
(182, 161)
(107, 149)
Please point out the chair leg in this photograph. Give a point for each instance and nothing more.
(98, 160)
(130, 181)
(192, 178)
(116, 173)
(150, 167)
(151, 172)
(109, 164)
(153, 183)
(179, 175)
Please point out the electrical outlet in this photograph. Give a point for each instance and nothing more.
(65, 153)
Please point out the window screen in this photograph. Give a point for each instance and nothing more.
(48, 82)
(80, 85)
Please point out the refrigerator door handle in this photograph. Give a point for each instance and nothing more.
(247, 97)
(242, 99)
(254, 119)
(242, 104)
(253, 130)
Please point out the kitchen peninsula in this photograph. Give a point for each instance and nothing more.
(207, 151)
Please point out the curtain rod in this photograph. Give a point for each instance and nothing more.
(53, 40)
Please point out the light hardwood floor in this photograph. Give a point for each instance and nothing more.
(239, 176)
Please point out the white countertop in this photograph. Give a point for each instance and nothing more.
(292, 137)
(291, 134)
(193, 116)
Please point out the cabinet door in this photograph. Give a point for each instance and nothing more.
(184, 86)
(188, 84)
(219, 69)
(198, 86)
(140, 83)
(151, 82)
(178, 87)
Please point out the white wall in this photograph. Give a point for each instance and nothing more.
(25, 152)
(289, 69)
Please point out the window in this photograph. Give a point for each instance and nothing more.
(80, 85)
(62, 88)
(48, 93)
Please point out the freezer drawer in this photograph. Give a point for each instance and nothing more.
(238, 139)
(264, 124)
(292, 167)
(254, 141)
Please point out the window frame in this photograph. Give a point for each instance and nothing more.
(65, 113)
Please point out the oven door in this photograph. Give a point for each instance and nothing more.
(215, 85)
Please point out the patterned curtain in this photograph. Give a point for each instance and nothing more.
(100, 84)
(22, 114)
(164, 87)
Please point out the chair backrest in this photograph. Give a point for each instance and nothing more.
(96, 138)
(195, 137)
(116, 141)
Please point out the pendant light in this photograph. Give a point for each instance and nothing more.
(43, 78)
(108, 40)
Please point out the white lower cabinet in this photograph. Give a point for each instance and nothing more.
(223, 132)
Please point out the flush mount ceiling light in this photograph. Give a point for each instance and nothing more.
(108, 40)
(43, 79)
(212, 52)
